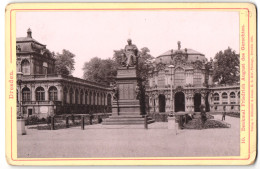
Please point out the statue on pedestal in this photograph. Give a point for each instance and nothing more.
(130, 55)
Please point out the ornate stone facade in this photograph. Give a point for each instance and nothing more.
(192, 84)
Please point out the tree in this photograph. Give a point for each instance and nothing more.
(226, 67)
(118, 54)
(64, 63)
(144, 63)
(100, 70)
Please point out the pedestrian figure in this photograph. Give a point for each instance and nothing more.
(203, 115)
(91, 117)
(224, 113)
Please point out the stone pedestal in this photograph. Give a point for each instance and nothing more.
(21, 127)
(127, 102)
(126, 108)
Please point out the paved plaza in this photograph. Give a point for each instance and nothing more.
(130, 141)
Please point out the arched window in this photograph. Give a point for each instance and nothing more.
(238, 95)
(224, 95)
(81, 97)
(179, 77)
(161, 78)
(45, 68)
(224, 98)
(26, 94)
(197, 77)
(232, 98)
(232, 95)
(216, 97)
(65, 92)
(53, 93)
(71, 95)
(76, 96)
(162, 103)
(25, 65)
(40, 94)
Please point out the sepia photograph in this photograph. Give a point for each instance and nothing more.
(128, 83)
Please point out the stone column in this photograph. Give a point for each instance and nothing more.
(220, 102)
(203, 98)
(192, 104)
(187, 103)
(168, 104)
(157, 104)
(31, 67)
(33, 92)
(150, 104)
(60, 96)
(19, 67)
(228, 107)
(236, 93)
(46, 93)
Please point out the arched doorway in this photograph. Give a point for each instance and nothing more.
(179, 102)
(161, 103)
(197, 102)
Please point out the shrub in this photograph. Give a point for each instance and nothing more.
(43, 119)
(31, 120)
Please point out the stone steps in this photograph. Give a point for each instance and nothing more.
(126, 120)
(119, 122)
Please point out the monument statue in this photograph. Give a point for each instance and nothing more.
(130, 55)
(128, 100)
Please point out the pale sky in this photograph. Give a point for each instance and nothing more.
(97, 33)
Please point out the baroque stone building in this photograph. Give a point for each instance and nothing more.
(43, 92)
(192, 84)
